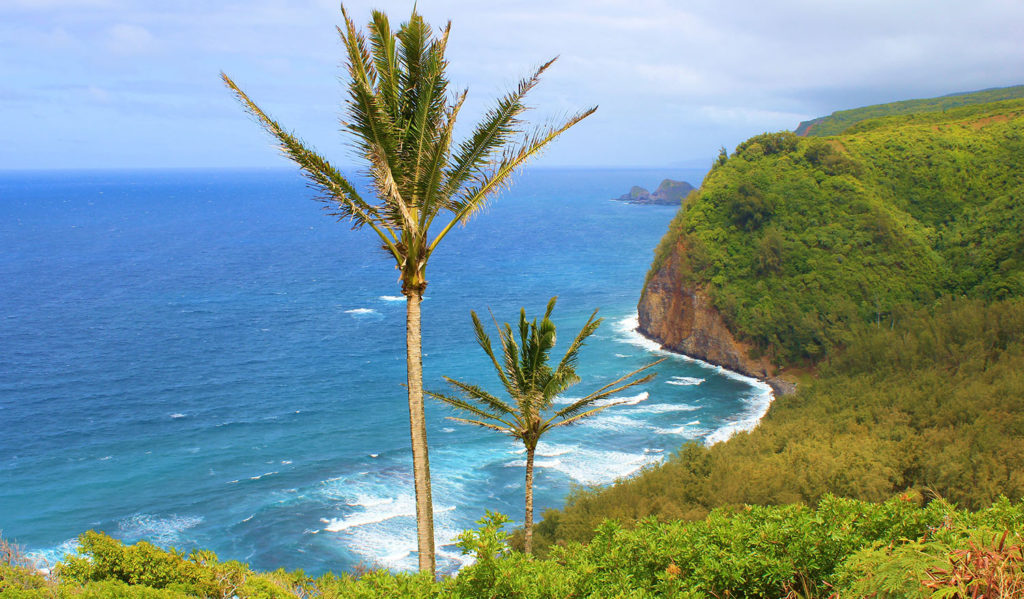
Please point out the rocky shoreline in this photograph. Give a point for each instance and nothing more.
(683, 320)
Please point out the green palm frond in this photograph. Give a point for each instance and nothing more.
(572, 352)
(489, 401)
(335, 189)
(551, 423)
(465, 406)
(471, 200)
(508, 431)
(491, 134)
(382, 44)
(603, 393)
(485, 342)
(559, 382)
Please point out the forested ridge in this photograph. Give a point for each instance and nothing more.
(841, 120)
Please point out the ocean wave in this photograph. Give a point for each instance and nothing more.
(629, 400)
(44, 559)
(594, 466)
(664, 408)
(684, 380)
(177, 415)
(632, 400)
(157, 530)
(757, 405)
(758, 401)
(690, 430)
(392, 298)
(361, 311)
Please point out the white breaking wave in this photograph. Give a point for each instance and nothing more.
(44, 559)
(664, 408)
(392, 298)
(684, 380)
(594, 466)
(758, 404)
(625, 401)
(361, 311)
(628, 401)
(177, 415)
(157, 530)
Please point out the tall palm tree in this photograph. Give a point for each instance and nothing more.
(400, 118)
(532, 385)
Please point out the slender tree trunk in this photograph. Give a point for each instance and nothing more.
(528, 527)
(418, 432)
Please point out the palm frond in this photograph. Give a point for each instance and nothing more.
(382, 45)
(550, 423)
(485, 342)
(596, 396)
(489, 401)
(507, 431)
(369, 121)
(470, 200)
(491, 133)
(324, 177)
(626, 376)
(572, 352)
(465, 406)
(431, 194)
(428, 123)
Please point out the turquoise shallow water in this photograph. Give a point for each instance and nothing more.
(203, 358)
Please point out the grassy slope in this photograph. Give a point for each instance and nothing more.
(839, 121)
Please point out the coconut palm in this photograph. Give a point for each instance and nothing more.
(400, 118)
(532, 386)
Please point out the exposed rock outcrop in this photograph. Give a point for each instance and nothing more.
(684, 320)
(669, 193)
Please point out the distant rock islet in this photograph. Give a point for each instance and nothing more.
(668, 193)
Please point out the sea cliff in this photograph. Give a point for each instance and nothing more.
(682, 319)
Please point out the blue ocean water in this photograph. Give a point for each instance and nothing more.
(203, 358)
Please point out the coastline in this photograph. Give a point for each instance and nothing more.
(766, 388)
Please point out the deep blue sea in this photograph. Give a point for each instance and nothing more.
(205, 358)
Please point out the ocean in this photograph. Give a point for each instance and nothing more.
(203, 358)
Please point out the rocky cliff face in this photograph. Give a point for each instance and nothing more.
(683, 320)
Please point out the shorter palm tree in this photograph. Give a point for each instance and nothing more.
(532, 385)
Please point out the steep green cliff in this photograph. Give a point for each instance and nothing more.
(793, 240)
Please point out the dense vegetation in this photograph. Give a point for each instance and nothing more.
(840, 121)
(932, 400)
(798, 239)
(893, 549)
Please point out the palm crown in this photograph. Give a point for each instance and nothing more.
(401, 117)
(532, 384)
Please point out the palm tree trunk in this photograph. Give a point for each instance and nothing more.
(418, 432)
(528, 541)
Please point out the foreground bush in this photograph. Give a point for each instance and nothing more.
(842, 548)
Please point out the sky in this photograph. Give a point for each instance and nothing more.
(134, 83)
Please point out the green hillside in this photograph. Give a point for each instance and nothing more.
(841, 120)
(799, 238)
(885, 269)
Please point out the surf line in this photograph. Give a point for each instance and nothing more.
(746, 421)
